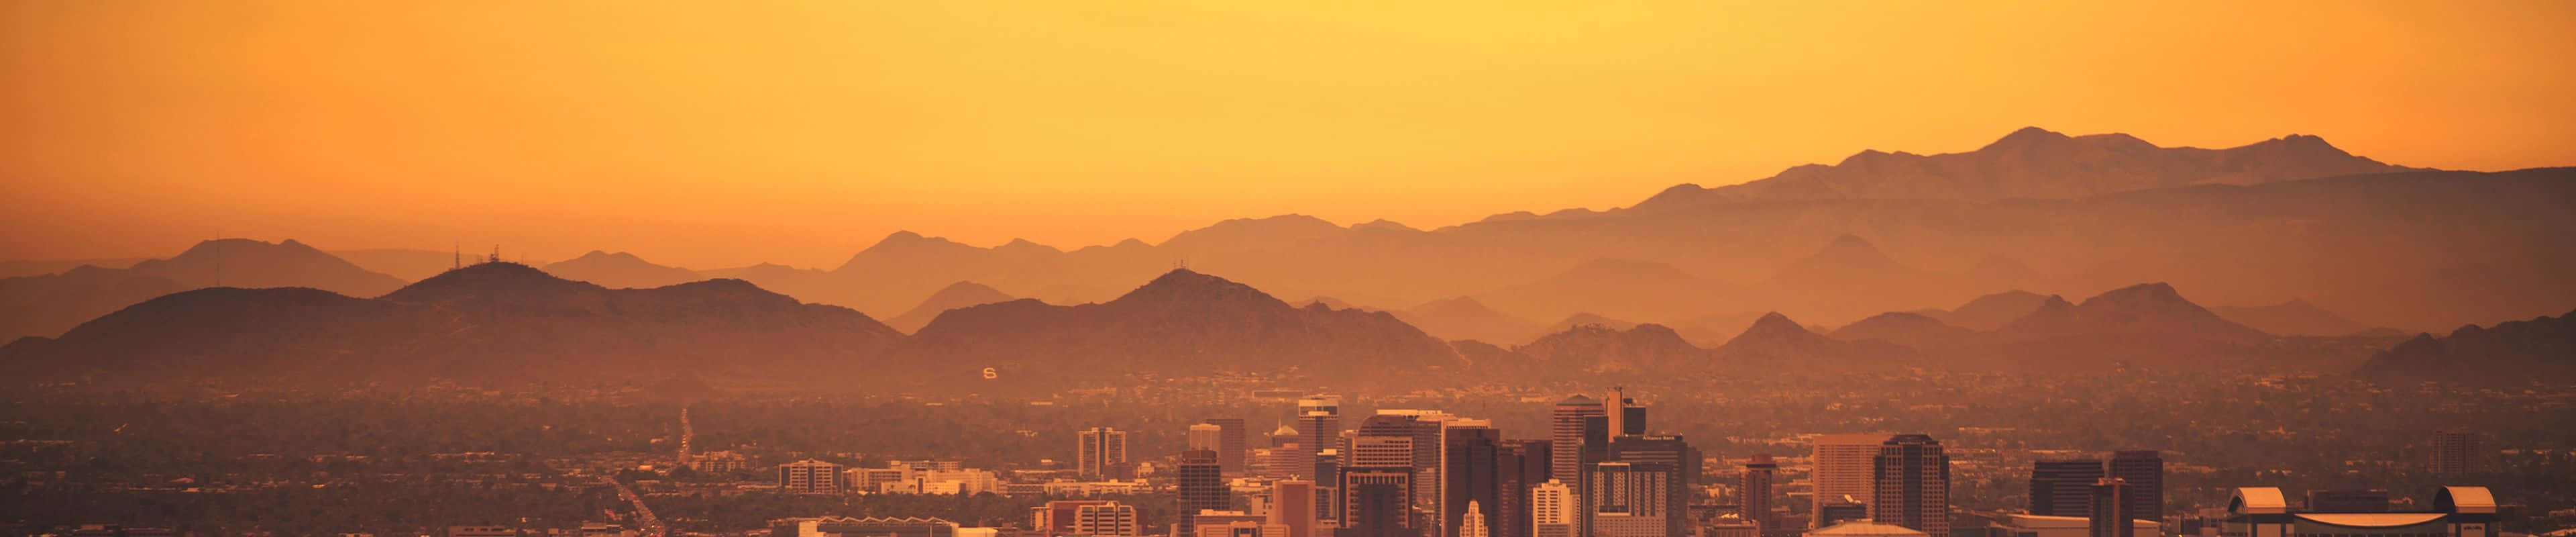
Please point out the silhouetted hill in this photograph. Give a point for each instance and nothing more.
(1650, 349)
(493, 322)
(2541, 350)
(955, 295)
(1992, 311)
(1464, 318)
(2152, 308)
(41, 267)
(249, 263)
(2037, 163)
(620, 270)
(1580, 320)
(1909, 329)
(1776, 343)
(50, 304)
(1183, 322)
(2296, 317)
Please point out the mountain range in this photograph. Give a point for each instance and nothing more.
(488, 322)
(48, 304)
(2293, 222)
(2509, 353)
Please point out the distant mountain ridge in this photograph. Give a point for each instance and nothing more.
(492, 321)
(956, 295)
(620, 270)
(2539, 350)
(2038, 163)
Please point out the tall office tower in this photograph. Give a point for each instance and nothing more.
(2110, 508)
(2063, 487)
(1328, 470)
(1913, 481)
(1377, 502)
(1468, 473)
(2455, 451)
(1207, 436)
(1425, 427)
(1230, 446)
(1566, 429)
(1843, 464)
(1676, 467)
(1202, 483)
(1293, 504)
(810, 477)
(2144, 470)
(1520, 465)
(1107, 518)
(1102, 454)
(1630, 500)
(1323, 431)
(1755, 489)
(1552, 509)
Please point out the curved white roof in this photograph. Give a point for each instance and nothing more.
(2259, 500)
(2466, 500)
(2371, 520)
(1866, 528)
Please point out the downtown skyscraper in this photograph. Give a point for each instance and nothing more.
(1912, 478)
(2144, 472)
(2063, 487)
(1565, 428)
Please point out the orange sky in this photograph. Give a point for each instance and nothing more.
(713, 136)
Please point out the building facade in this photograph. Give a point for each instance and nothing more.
(1912, 482)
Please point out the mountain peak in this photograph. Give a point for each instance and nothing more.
(485, 279)
(2146, 293)
(2025, 137)
(1776, 322)
(1183, 285)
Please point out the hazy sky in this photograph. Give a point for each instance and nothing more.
(718, 134)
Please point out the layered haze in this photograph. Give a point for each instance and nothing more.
(725, 136)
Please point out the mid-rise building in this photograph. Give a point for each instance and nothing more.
(2144, 471)
(1056, 517)
(2455, 452)
(1105, 519)
(2111, 516)
(2346, 501)
(811, 477)
(1231, 447)
(1293, 506)
(1102, 453)
(1552, 509)
(1754, 491)
(1912, 478)
(1202, 483)
(1843, 471)
(1377, 502)
(1207, 436)
(2061, 487)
